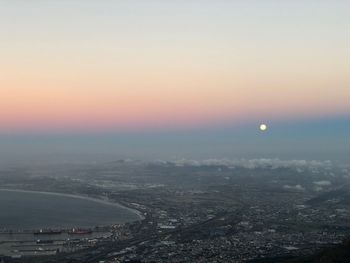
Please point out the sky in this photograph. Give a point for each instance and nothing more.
(145, 78)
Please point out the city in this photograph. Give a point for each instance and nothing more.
(215, 211)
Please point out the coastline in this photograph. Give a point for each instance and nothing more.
(138, 213)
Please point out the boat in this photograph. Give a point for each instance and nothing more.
(47, 232)
(44, 241)
(78, 231)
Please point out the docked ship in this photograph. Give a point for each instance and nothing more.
(48, 232)
(39, 241)
(78, 231)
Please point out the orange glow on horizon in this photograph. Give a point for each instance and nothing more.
(173, 66)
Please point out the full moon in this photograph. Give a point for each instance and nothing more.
(263, 127)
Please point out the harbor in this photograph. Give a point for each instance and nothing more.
(50, 241)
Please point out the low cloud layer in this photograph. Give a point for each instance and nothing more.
(257, 163)
(323, 183)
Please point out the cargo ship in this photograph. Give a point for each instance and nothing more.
(77, 231)
(48, 232)
(44, 241)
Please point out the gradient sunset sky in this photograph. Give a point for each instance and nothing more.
(181, 72)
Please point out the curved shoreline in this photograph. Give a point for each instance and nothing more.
(96, 200)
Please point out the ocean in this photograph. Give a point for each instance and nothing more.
(22, 210)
